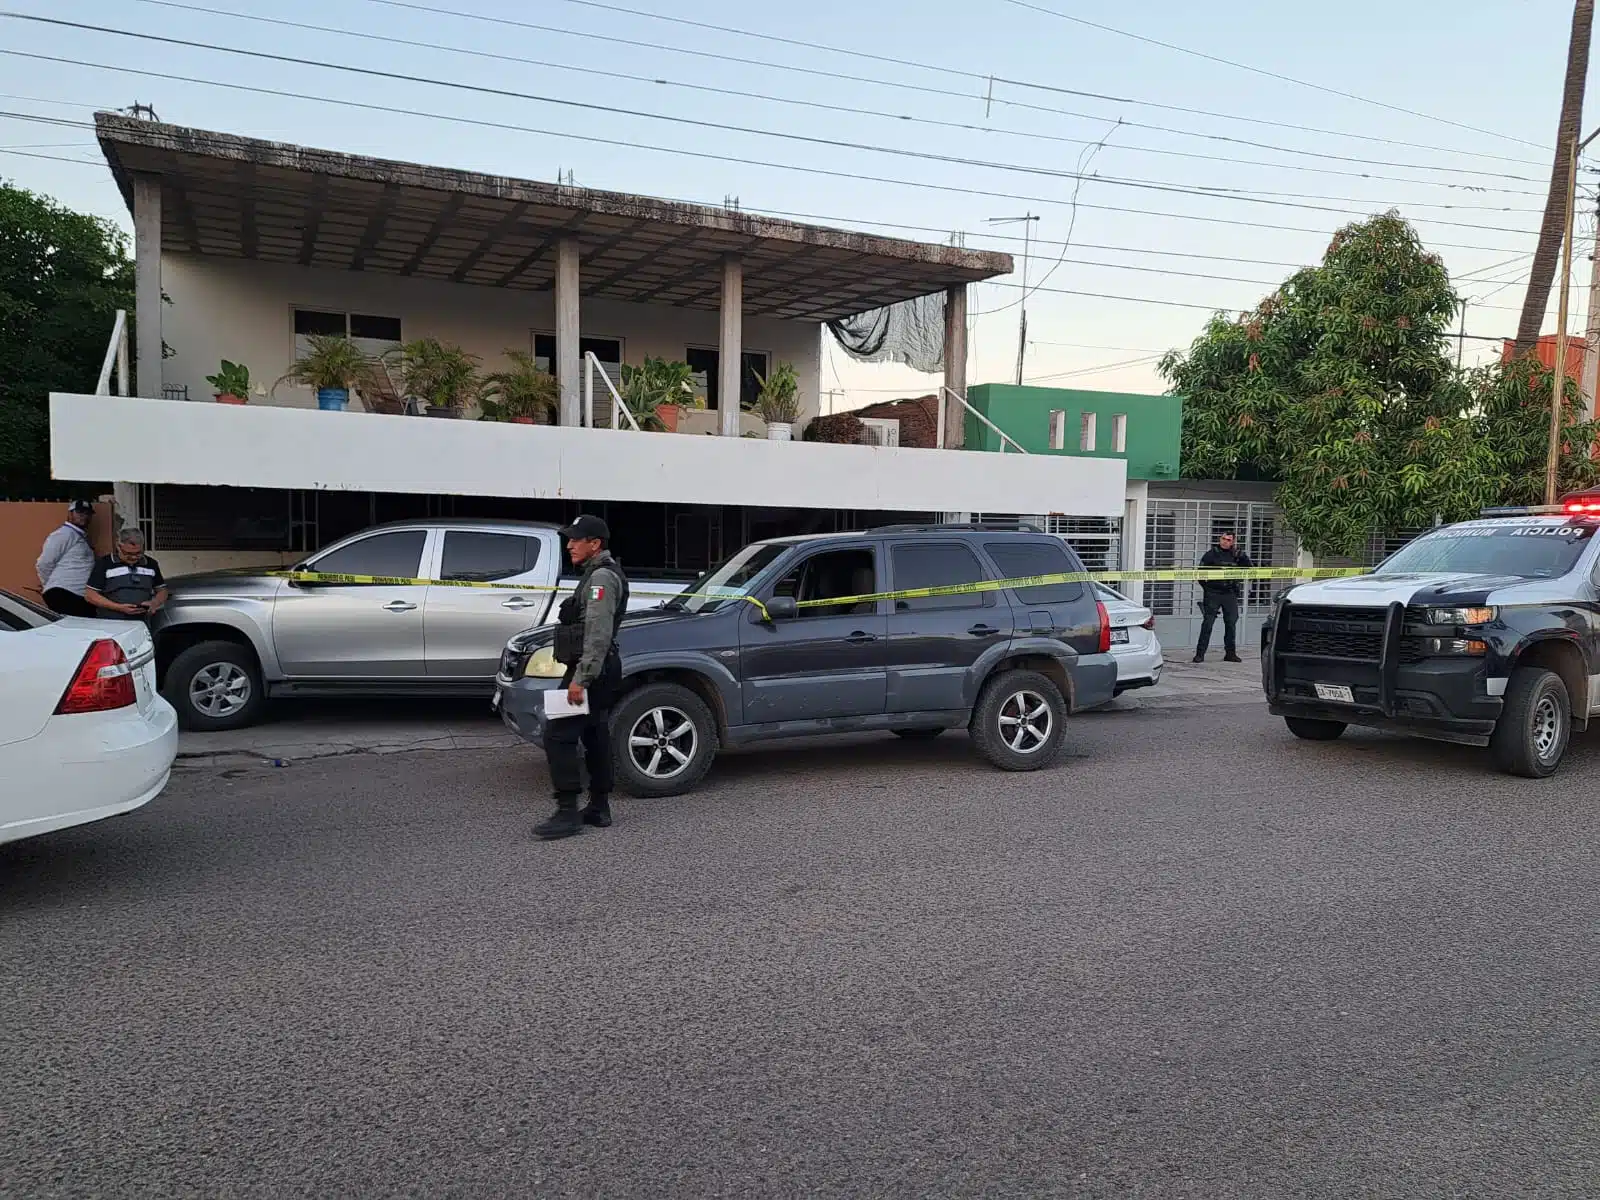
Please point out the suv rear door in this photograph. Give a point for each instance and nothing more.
(1062, 611)
(829, 660)
(934, 641)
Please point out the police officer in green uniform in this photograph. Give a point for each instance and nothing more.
(586, 643)
(127, 584)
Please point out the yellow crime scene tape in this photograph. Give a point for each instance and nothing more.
(1172, 575)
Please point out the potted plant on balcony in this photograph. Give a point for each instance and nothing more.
(231, 383)
(779, 402)
(657, 393)
(331, 365)
(524, 395)
(443, 375)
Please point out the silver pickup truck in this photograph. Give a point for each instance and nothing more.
(227, 641)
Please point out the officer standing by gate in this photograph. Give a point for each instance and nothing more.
(126, 584)
(586, 643)
(1221, 596)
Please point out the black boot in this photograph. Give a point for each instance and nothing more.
(1230, 656)
(564, 822)
(597, 812)
(1201, 657)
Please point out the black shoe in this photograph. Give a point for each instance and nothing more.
(1232, 658)
(564, 822)
(597, 812)
(1199, 658)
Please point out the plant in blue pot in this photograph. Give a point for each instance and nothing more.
(331, 366)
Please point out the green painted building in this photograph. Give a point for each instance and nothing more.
(1146, 430)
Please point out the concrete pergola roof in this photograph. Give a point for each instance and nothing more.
(240, 197)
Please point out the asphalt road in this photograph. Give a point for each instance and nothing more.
(1197, 959)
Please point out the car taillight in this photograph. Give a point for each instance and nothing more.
(104, 681)
(1105, 627)
(1149, 623)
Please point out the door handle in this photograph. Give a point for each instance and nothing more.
(983, 631)
(518, 602)
(399, 606)
(858, 638)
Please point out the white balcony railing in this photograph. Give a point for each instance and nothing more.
(116, 356)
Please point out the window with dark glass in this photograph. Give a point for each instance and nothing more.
(483, 557)
(704, 361)
(1018, 560)
(607, 350)
(934, 566)
(398, 553)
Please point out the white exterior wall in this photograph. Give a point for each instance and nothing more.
(164, 441)
(243, 311)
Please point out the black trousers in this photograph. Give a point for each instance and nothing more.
(1211, 604)
(65, 604)
(574, 743)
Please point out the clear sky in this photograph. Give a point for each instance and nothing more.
(1492, 66)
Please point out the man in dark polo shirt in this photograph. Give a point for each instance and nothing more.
(127, 584)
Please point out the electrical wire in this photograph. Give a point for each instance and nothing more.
(679, 152)
(1228, 62)
(976, 76)
(1149, 185)
(592, 71)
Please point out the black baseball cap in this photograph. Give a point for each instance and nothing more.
(85, 507)
(585, 527)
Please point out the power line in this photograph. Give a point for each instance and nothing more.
(1228, 62)
(932, 122)
(857, 78)
(678, 152)
(727, 127)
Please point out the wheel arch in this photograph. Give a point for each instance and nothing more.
(701, 684)
(173, 640)
(1053, 667)
(1563, 656)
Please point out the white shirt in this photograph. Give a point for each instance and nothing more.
(66, 560)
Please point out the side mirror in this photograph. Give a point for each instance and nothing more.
(782, 608)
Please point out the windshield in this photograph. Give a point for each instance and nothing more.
(727, 580)
(1545, 549)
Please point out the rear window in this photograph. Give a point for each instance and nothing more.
(480, 557)
(934, 566)
(1542, 549)
(17, 614)
(1017, 559)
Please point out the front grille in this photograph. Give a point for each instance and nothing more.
(1343, 633)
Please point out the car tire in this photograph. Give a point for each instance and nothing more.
(659, 711)
(919, 735)
(1535, 725)
(1311, 729)
(1009, 701)
(215, 686)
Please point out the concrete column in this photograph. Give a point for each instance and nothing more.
(147, 282)
(569, 363)
(730, 346)
(1135, 525)
(125, 500)
(955, 366)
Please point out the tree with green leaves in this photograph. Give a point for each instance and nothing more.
(63, 275)
(1340, 387)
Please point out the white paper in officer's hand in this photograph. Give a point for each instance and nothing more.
(557, 705)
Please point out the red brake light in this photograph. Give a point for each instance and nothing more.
(1105, 627)
(1149, 623)
(104, 681)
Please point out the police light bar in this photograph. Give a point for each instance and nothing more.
(1583, 503)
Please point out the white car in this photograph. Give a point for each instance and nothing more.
(83, 732)
(1133, 640)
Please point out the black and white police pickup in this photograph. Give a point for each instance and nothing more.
(1485, 633)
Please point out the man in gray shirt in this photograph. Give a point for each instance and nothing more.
(65, 562)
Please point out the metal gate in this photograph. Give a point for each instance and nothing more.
(1179, 532)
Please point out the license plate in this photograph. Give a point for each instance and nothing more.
(1336, 692)
(1119, 637)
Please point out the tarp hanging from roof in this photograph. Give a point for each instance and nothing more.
(911, 332)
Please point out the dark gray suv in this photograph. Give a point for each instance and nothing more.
(710, 670)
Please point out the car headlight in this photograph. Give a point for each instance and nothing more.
(1460, 616)
(542, 664)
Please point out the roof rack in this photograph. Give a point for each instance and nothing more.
(1012, 526)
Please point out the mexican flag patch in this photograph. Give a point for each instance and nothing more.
(597, 592)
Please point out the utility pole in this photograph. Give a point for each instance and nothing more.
(1027, 220)
(1591, 353)
(1461, 341)
(1559, 377)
